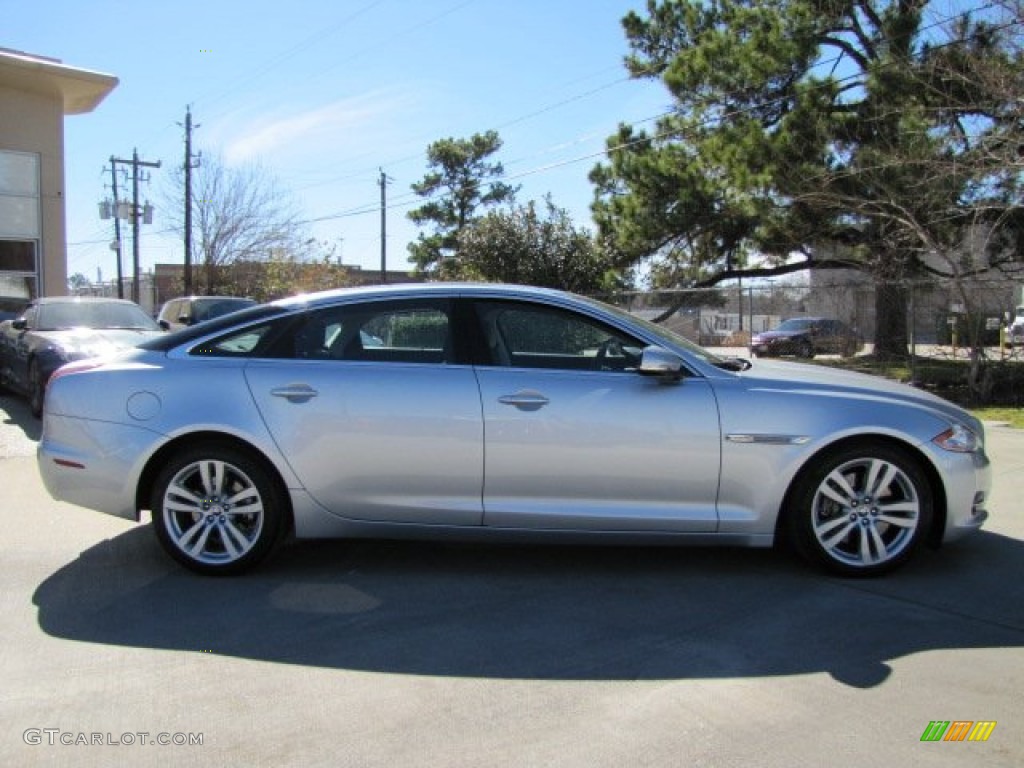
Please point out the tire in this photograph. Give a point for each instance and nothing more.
(804, 349)
(36, 390)
(860, 511)
(217, 510)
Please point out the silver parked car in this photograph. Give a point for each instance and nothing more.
(500, 412)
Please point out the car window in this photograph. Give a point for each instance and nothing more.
(251, 341)
(99, 314)
(390, 332)
(203, 310)
(795, 324)
(396, 332)
(538, 336)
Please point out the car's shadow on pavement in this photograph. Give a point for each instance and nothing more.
(556, 613)
(15, 412)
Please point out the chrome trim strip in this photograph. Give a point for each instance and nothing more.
(768, 439)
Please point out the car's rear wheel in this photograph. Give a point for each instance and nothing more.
(860, 511)
(216, 509)
(36, 389)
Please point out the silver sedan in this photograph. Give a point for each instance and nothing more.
(489, 412)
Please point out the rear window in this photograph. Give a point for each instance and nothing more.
(239, 319)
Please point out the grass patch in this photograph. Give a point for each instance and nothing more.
(1002, 382)
(1013, 416)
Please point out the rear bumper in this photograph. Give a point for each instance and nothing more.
(77, 466)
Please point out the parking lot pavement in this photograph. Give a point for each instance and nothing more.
(386, 654)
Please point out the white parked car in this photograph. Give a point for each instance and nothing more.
(1015, 333)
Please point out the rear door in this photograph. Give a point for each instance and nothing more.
(376, 418)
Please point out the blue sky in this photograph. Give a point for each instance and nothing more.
(322, 93)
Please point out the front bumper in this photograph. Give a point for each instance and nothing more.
(968, 485)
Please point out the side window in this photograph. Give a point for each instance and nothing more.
(538, 336)
(252, 341)
(385, 332)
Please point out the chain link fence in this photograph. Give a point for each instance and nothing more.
(960, 327)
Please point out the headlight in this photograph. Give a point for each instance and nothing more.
(958, 439)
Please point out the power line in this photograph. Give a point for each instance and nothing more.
(663, 134)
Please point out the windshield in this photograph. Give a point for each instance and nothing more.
(667, 336)
(94, 314)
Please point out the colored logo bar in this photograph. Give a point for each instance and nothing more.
(958, 730)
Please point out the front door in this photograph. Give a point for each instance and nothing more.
(576, 440)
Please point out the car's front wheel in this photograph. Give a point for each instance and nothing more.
(216, 509)
(36, 389)
(862, 510)
(804, 349)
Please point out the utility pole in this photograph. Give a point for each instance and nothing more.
(189, 165)
(384, 181)
(135, 164)
(117, 231)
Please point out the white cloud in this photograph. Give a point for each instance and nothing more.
(274, 134)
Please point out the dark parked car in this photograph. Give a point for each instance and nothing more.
(56, 330)
(807, 337)
(189, 310)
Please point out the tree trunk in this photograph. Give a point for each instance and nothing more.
(891, 304)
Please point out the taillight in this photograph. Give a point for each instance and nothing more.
(78, 366)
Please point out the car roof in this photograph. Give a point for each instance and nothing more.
(423, 289)
(209, 298)
(81, 300)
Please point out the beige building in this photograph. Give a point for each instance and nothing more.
(35, 94)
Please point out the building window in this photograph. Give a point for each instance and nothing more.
(20, 229)
(18, 256)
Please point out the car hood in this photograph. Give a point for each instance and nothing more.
(96, 342)
(819, 379)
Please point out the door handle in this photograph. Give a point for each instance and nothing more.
(297, 393)
(525, 400)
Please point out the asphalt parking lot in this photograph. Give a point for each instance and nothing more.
(386, 654)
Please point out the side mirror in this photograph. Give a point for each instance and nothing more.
(655, 361)
(20, 324)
